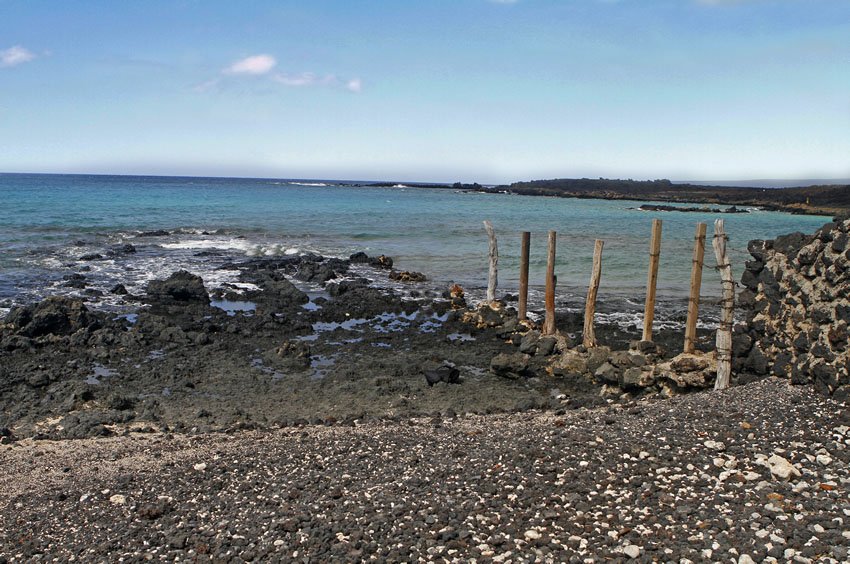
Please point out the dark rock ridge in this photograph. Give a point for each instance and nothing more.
(797, 300)
(692, 209)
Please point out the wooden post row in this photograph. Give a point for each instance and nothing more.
(724, 330)
(652, 279)
(523, 275)
(549, 321)
(696, 283)
(493, 253)
(589, 335)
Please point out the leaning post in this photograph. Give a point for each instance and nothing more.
(696, 283)
(589, 335)
(724, 330)
(652, 279)
(493, 254)
(523, 275)
(549, 321)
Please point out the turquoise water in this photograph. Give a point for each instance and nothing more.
(48, 221)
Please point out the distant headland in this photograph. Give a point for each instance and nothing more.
(827, 199)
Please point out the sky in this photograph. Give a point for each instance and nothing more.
(433, 90)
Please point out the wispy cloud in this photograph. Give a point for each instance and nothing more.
(723, 2)
(305, 79)
(354, 85)
(15, 55)
(262, 66)
(255, 64)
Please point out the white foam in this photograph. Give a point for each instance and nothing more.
(238, 244)
(308, 184)
(245, 286)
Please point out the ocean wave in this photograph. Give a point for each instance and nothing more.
(319, 184)
(231, 243)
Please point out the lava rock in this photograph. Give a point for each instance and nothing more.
(181, 287)
(510, 365)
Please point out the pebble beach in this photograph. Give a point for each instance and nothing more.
(755, 473)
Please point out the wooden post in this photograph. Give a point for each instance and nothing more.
(724, 330)
(589, 335)
(549, 321)
(652, 279)
(493, 253)
(696, 283)
(523, 274)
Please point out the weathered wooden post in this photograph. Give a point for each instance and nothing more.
(523, 274)
(652, 279)
(724, 330)
(549, 321)
(696, 283)
(589, 335)
(493, 253)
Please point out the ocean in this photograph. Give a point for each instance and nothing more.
(48, 222)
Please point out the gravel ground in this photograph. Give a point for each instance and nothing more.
(696, 477)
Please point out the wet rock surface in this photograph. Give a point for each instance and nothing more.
(264, 353)
(755, 473)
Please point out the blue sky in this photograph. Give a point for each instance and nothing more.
(440, 90)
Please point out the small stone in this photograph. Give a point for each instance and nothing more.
(118, 499)
(745, 559)
(532, 534)
(279, 542)
(715, 445)
(824, 460)
(781, 468)
(632, 551)
(200, 467)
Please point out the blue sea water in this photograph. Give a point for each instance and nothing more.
(47, 222)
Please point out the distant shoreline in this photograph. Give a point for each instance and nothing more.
(829, 201)
(822, 200)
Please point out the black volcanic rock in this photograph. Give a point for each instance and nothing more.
(52, 316)
(180, 287)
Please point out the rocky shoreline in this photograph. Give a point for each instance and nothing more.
(313, 405)
(262, 353)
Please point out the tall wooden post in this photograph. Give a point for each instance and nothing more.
(696, 283)
(589, 335)
(549, 321)
(652, 279)
(523, 274)
(724, 330)
(493, 253)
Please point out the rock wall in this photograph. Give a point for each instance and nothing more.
(795, 296)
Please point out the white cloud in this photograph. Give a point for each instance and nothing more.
(354, 85)
(15, 55)
(256, 64)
